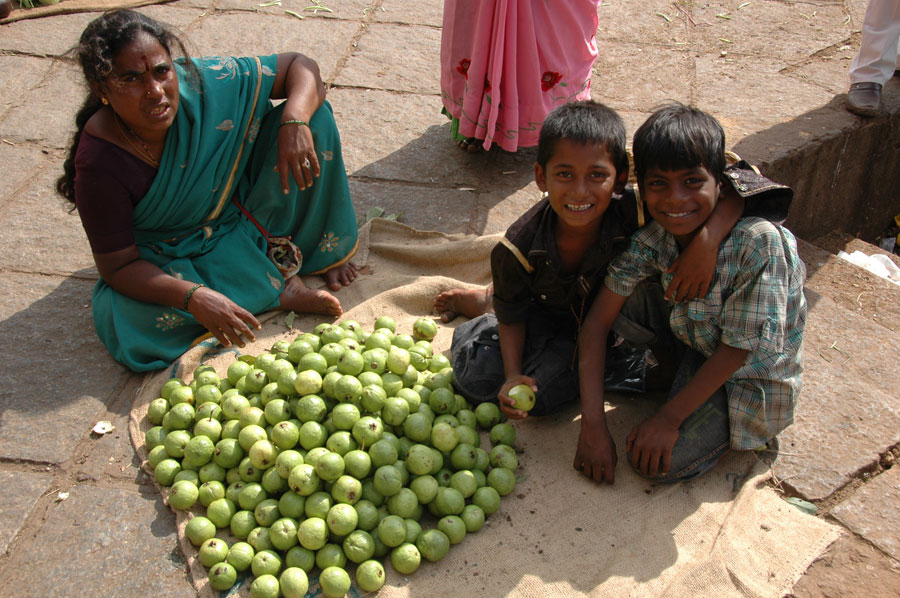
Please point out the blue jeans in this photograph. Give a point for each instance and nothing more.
(549, 356)
(706, 434)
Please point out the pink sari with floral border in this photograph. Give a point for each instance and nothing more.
(505, 64)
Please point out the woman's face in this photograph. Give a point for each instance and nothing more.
(143, 88)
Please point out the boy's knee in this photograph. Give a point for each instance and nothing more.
(477, 361)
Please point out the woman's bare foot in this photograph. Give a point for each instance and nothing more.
(341, 276)
(467, 302)
(298, 297)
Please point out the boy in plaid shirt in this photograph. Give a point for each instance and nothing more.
(735, 353)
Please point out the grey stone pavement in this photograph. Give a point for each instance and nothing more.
(774, 72)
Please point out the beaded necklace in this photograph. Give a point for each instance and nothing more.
(144, 150)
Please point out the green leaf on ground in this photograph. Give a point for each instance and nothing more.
(805, 506)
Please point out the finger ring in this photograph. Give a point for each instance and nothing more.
(306, 163)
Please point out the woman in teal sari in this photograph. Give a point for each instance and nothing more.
(184, 174)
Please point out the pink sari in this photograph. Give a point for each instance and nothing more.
(505, 64)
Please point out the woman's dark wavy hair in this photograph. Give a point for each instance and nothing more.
(584, 122)
(100, 42)
(677, 136)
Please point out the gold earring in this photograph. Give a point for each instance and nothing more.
(105, 101)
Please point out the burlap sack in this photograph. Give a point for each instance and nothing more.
(725, 534)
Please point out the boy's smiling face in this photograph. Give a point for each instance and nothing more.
(580, 180)
(680, 200)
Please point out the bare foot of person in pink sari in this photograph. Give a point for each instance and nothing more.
(298, 297)
(464, 302)
(341, 276)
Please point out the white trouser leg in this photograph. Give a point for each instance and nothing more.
(877, 57)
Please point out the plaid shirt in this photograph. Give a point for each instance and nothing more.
(755, 302)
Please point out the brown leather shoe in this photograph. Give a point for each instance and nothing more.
(864, 98)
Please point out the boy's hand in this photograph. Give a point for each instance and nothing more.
(596, 454)
(650, 444)
(506, 402)
(693, 270)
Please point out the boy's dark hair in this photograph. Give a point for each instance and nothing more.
(677, 136)
(585, 122)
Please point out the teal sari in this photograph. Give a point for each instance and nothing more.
(223, 144)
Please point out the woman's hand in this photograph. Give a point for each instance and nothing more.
(596, 454)
(296, 156)
(226, 320)
(298, 81)
(650, 444)
(693, 270)
(506, 402)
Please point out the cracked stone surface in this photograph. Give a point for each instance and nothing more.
(16, 506)
(117, 543)
(872, 512)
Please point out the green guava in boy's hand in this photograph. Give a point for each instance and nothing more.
(523, 397)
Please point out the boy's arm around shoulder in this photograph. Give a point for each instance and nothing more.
(596, 453)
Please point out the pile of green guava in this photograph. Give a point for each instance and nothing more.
(327, 455)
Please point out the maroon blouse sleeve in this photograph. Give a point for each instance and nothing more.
(109, 182)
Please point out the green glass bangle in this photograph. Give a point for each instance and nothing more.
(187, 298)
(294, 122)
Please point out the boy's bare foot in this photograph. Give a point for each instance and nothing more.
(467, 302)
(341, 276)
(298, 297)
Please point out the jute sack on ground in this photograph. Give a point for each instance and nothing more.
(725, 534)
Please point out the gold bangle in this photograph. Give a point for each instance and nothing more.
(187, 298)
(293, 122)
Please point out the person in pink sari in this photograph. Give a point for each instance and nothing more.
(505, 64)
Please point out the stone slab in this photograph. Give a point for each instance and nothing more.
(21, 164)
(625, 21)
(423, 208)
(394, 136)
(40, 233)
(849, 568)
(57, 374)
(410, 142)
(851, 287)
(41, 116)
(847, 415)
(102, 542)
(411, 13)
(251, 34)
(818, 152)
(374, 63)
(178, 14)
(498, 210)
(18, 74)
(44, 37)
(872, 512)
(749, 95)
(614, 82)
(786, 31)
(112, 456)
(349, 10)
(21, 491)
